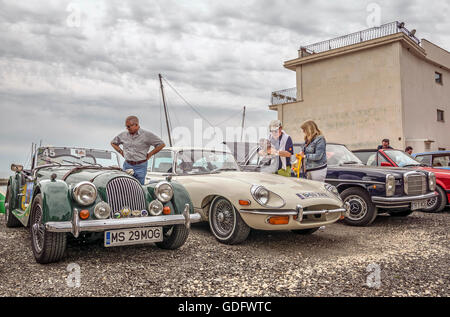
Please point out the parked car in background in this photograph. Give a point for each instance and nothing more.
(233, 202)
(438, 159)
(84, 193)
(369, 190)
(398, 158)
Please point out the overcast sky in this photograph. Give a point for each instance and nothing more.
(71, 71)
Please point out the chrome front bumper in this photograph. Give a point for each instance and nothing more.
(403, 199)
(299, 212)
(76, 225)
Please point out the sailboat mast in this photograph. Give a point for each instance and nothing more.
(165, 110)
(243, 121)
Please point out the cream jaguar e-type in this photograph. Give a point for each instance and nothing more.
(234, 202)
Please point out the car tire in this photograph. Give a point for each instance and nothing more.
(362, 211)
(226, 223)
(404, 213)
(305, 231)
(48, 247)
(10, 219)
(438, 203)
(174, 237)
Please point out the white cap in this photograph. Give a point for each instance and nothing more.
(274, 125)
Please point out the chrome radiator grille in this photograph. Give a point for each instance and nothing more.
(415, 184)
(125, 192)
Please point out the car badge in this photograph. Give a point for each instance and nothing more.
(117, 215)
(144, 213)
(125, 212)
(136, 213)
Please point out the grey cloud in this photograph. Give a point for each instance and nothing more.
(219, 55)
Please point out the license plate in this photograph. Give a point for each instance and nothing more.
(420, 204)
(115, 238)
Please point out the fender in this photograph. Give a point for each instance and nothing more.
(442, 185)
(343, 186)
(15, 203)
(180, 197)
(56, 200)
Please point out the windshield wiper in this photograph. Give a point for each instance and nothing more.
(92, 164)
(52, 162)
(71, 162)
(349, 162)
(407, 165)
(224, 169)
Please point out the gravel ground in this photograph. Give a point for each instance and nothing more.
(412, 254)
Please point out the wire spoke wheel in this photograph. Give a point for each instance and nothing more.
(358, 207)
(47, 246)
(226, 223)
(223, 218)
(37, 228)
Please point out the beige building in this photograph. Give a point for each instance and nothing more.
(370, 85)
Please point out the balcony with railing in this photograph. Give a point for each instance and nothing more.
(284, 96)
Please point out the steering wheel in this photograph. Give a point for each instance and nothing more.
(200, 168)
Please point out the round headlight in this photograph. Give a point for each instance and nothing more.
(155, 208)
(85, 193)
(164, 191)
(432, 181)
(102, 210)
(261, 194)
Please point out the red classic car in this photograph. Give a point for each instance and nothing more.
(398, 158)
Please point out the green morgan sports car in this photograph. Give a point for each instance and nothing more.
(83, 194)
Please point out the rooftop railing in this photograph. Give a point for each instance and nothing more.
(290, 94)
(359, 37)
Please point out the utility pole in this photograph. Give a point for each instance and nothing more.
(165, 110)
(243, 121)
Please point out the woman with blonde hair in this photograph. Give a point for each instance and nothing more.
(314, 152)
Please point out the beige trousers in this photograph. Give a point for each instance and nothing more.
(318, 175)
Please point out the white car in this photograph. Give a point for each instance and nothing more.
(234, 202)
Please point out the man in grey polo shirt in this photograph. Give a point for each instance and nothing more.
(136, 142)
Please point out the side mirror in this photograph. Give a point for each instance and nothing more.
(16, 168)
(386, 164)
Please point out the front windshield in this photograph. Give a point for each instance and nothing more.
(204, 161)
(401, 158)
(340, 155)
(75, 156)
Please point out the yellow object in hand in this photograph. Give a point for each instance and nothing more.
(297, 166)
